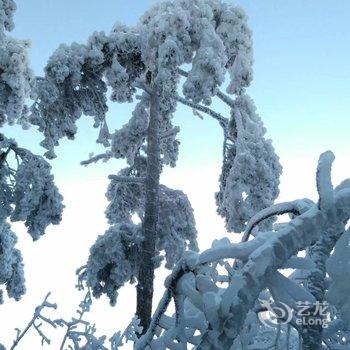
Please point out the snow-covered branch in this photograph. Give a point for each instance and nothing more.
(222, 120)
(94, 159)
(324, 182)
(127, 179)
(296, 208)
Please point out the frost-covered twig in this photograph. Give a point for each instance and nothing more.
(94, 159)
(233, 251)
(170, 283)
(11, 146)
(335, 346)
(130, 333)
(288, 336)
(225, 98)
(278, 334)
(37, 317)
(86, 332)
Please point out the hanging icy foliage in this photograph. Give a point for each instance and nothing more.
(113, 260)
(11, 272)
(36, 199)
(27, 194)
(16, 78)
(114, 257)
(250, 178)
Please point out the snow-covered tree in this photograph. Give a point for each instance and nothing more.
(75, 84)
(27, 190)
(213, 39)
(181, 51)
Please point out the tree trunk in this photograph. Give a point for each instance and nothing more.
(319, 253)
(150, 220)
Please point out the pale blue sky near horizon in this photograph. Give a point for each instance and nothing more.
(301, 73)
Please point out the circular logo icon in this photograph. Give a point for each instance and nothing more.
(275, 313)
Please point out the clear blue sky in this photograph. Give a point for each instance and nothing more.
(302, 71)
